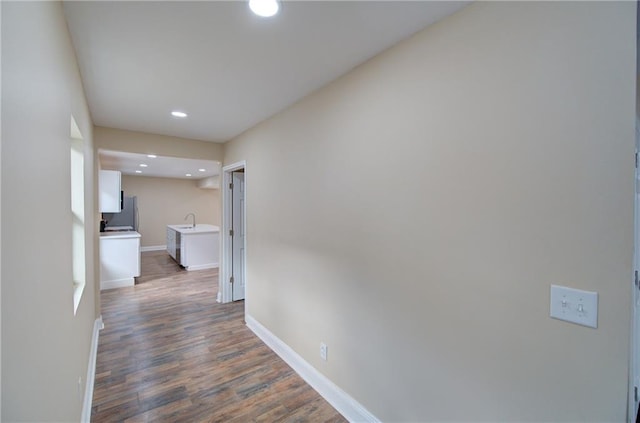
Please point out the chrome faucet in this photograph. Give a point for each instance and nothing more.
(194, 218)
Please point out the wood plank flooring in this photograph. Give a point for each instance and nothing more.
(169, 352)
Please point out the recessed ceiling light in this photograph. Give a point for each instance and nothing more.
(187, 174)
(138, 171)
(151, 156)
(179, 114)
(202, 170)
(264, 8)
(143, 165)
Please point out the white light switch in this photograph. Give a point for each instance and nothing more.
(574, 305)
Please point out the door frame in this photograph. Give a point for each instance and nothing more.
(634, 360)
(634, 350)
(225, 290)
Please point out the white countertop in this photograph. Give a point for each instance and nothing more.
(120, 235)
(199, 229)
(118, 228)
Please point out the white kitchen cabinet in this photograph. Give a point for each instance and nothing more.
(110, 191)
(194, 248)
(119, 259)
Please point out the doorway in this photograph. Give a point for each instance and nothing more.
(233, 234)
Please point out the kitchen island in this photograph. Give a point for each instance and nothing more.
(119, 259)
(194, 247)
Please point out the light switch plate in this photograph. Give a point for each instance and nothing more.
(574, 305)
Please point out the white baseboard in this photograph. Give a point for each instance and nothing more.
(91, 372)
(203, 266)
(351, 409)
(117, 283)
(153, 248)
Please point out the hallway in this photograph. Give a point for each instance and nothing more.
(170, 352)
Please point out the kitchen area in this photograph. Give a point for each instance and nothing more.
(145, 213)
(120, 240)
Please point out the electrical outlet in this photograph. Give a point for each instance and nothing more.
(323, 351)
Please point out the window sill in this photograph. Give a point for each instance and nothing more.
(78, 289)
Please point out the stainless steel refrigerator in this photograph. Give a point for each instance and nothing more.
(128, 217)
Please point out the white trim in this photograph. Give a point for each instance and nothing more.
(351, 409)
(153, 248)
(117, 283)
(226, 293)
(203, 266)
(91, 372)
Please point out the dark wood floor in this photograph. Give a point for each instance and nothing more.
(169, 352)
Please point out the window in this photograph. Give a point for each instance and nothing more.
(77, 214)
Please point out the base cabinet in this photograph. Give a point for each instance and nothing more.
(194, 249)
(199, 251)
(119, 261)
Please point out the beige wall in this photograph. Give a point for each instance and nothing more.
(166, 201)
(161, 145)
(413, 214)
(45, 348)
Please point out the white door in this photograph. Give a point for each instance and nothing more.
(634, 377)
(237, 236)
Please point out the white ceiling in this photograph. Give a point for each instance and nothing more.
(165, 167)
(227, 68)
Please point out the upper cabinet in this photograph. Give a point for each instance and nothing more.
(110, 190)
